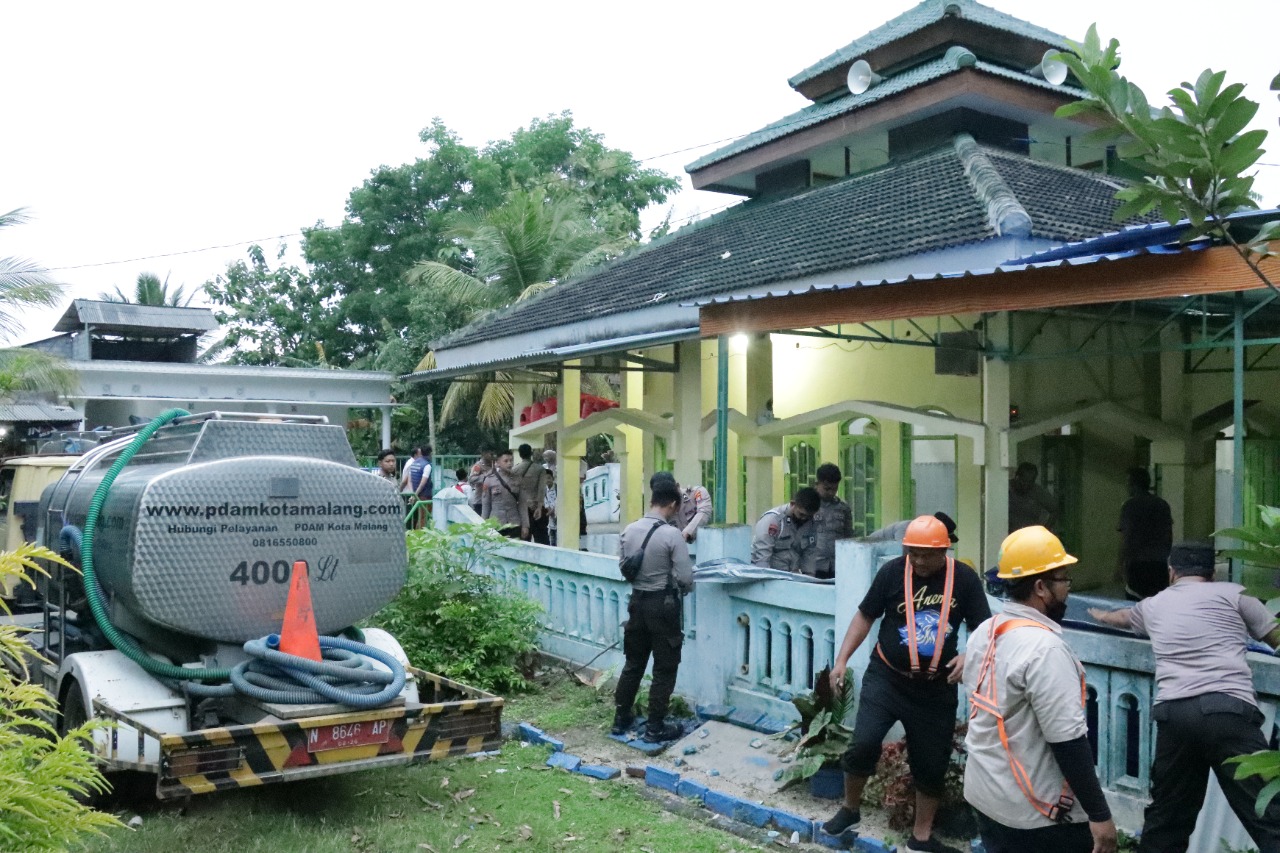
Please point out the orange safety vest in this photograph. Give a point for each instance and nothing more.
(943, 623)
(987, 700)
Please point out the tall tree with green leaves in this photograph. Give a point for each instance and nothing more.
(23, 285)
(150, 290)
(515, 251)
(356, 282)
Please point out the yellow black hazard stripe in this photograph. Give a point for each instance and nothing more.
(243, 756)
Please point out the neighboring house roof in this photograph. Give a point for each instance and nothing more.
(961, 194)
(127, 317)
(813, 114)
(37, 413)
(919, 17)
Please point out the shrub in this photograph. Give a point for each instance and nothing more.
(43, 777)
(823, 732)
(454, 619)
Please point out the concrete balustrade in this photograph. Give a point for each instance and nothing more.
(754, 645)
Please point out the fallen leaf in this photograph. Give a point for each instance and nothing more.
(365, 791)
(555, 808)
(355, 839)
(570, 838)
(444, 783)
(430, 803)
(460, 840)
(395, 814)
(526, 832)
(427, 847)
(462, 795)
(566, 791)
(600, 793)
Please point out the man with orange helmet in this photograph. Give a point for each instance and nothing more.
(920, 599)
(1029, 774)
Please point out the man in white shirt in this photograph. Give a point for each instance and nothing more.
(1029, 774)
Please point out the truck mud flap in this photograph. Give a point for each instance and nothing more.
(452, 720)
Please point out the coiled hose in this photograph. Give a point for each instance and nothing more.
(271, 675)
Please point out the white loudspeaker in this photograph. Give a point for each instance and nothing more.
(861, 77)
(1051, 69)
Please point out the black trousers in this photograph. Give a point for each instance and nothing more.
(1145, 577)
(1063, 838)
(1194, 736)
(538, 528)
(653, 628)
(927, 711)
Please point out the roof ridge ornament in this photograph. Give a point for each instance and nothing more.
(1005, 213)
(961, 57)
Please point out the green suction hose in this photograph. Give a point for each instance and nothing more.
(97, 605)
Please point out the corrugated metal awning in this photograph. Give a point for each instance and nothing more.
(556, 354)
(37, 413)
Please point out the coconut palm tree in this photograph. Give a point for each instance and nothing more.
(24, 284)
(517, 250)
(150, 290)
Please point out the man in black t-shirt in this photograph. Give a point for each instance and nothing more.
(921, 600)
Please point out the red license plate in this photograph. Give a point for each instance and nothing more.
(348, 734)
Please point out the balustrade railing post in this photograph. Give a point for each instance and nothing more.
(856, 565)
(709, 662)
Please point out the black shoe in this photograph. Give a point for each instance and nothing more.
(670, 731)
(622, 723)
(844, 820)
(930, 845)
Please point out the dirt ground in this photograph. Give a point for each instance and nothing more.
(592, 743)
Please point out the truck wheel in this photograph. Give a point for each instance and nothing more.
(74, 714)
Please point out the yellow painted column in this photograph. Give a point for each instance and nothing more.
(759, 457)
(995, 417)
(1171, 457)
(688, 410)
(630, 451)
(568, 455)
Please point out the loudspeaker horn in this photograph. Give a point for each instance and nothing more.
(861, 77)
(1051, 69)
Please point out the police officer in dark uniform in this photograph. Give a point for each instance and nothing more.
(654, 613)
(785, 534)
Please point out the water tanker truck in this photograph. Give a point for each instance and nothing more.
(187, 532)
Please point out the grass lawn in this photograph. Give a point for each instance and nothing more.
(465, 804)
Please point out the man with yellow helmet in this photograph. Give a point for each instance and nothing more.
(1029, 774)
(920, 599)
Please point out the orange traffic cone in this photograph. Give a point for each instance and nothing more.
(298, 635)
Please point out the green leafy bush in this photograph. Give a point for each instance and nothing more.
(43, 777)
(456, 620)
(824, 734)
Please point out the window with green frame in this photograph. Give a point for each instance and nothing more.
(801, 453)
(709, 482)
(860, 467)
(661, 462)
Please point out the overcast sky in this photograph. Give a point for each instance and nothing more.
(134, 130)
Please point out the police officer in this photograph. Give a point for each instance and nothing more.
(695, 505)
(1029, 774)
(1206, 710)
(501, 500)
(832, 521)
(783, 534)
(654, 614)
